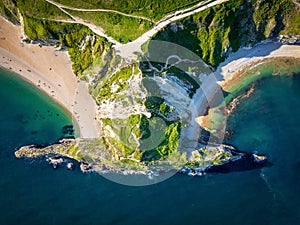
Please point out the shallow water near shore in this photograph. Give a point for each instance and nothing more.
(32, 192)
(269, 67)
(268, 123)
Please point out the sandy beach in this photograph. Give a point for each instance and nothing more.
(49, 70)
(235, 67)
(245, 58)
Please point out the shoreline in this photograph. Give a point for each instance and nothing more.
(245, 58)
(50, 70)
(232, 74)
(25, 79)
(251, 70)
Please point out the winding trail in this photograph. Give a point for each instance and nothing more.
(61, 6)
(96, 29)
(128, 51)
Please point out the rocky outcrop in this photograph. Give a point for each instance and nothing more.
(35, 151)
(59, 154)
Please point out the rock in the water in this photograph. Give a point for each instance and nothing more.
(86, 167)
(70, 166)
(55, 161)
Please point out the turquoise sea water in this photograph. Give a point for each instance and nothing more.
(269, 123)
(31, 192)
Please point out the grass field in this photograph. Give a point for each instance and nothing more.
(40, 9)
(121, 28)
(152, 9)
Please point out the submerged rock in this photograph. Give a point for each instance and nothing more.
(259, 158)
(55, 161)
(86, 167)
(70, 166)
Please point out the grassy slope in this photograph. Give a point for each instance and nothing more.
(9, 11)
(70, 36)
(40, 9)
(121, 28)
(38, 25)
(153, 9)
(275, 17)
(212, 32)
(137, 126)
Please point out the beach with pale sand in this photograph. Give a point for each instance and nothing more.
(238, 63)
(245, 58)
(50, 70)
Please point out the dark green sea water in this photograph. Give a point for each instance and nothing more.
(31, 192)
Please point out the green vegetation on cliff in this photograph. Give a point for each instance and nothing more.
(167, 147)
(9, 11)
(43, 30)
(210, 32)
(84, 56)
(216, 31)
(108, 87)
(276, 17)
(140, 138)
(120, 27)
(125, 143)
(83, 45)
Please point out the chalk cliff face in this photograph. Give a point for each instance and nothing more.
(141, 105)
